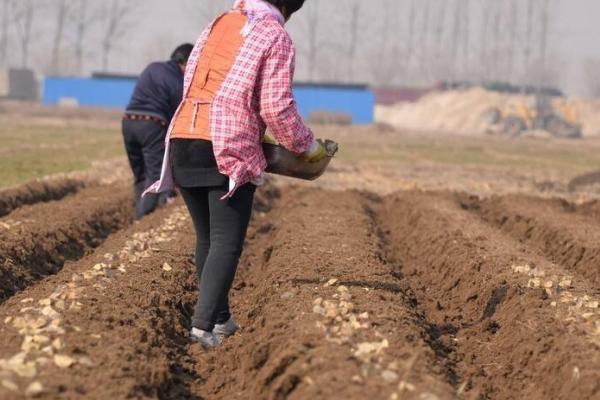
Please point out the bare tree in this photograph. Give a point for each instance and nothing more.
(311, 20)
(591, 74)
(425, 29)
(423, 57)
(485, 42)
(80, 19)
(440, 25)
(116, 24)
(544, 21)
(23, 19)
(466, 37)
(513, 11)
(529, 37)
(457, 25)
(62, 9)
(354, 27)
(496, 41)
(158, 49)
(382, 63)
(416, 41)
(205, 11)
(7, 8)
(83, 19)
(410, 39)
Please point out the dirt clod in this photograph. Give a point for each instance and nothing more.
(63, 361)
(34, 389)
(9, 385)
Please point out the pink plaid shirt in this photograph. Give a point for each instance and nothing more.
(257, 93)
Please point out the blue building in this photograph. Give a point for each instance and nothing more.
(114, 92)
(356, 101)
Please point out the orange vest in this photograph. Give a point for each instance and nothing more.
(217, 59)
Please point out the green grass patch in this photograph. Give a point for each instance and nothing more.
(31, 152)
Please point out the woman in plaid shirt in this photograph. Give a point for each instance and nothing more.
(238, 82)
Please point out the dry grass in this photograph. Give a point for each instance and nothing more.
(41, 148)
(42, 145)
(370, 144)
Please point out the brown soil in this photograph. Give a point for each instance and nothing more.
(36, 241)
(36, 192)
(590, 209)
(286, 349)
(289, 351)
(506, 338)
(591, 178)
(341, 295)
(554, 228)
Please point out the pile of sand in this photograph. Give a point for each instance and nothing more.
(460, 112)
(589, 115)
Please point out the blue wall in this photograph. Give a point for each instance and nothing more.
(356, 101)
(109, 93)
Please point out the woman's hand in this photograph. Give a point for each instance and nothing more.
(316, 153)
(267, 138)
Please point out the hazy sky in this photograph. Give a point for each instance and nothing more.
(160, 25)
(578, 36)
(575, 36)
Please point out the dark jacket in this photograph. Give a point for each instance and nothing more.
(158, 91)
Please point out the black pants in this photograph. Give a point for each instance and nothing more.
(145, 146)
(221, 227)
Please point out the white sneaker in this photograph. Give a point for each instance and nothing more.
(227, 329)
(208, 340)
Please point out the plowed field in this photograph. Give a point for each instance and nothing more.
(340, 294)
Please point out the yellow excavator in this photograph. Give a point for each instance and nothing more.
(554, 115)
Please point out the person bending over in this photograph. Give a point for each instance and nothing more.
(238, 83)
(155, 99)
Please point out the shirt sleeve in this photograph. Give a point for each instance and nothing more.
(278, 107)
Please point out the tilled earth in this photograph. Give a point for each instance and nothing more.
(36, 192)
(340, 294)
(37, 240)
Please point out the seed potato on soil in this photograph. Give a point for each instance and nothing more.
(87, 315)
(340, 295)
(131, 326)
(37, 240)
(561, 231)
(322, 315)
(514, 323)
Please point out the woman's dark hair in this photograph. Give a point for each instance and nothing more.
(182, 53)
(291, 6)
